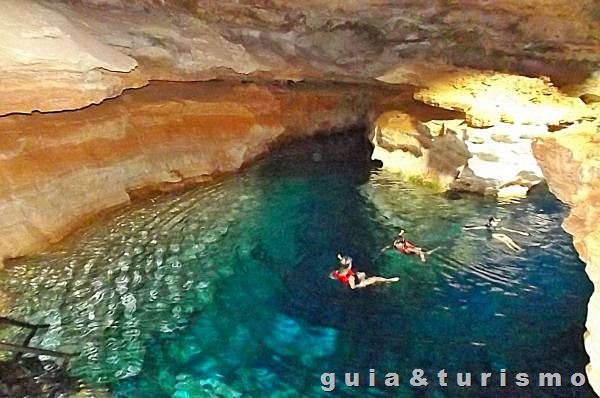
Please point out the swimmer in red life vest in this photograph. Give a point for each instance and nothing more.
(348, 276)
(405, 247)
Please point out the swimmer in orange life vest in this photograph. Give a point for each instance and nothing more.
(405, 247)
(347, 276)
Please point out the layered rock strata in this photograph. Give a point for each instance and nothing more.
(57, 169)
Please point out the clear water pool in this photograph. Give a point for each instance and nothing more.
(222, 290)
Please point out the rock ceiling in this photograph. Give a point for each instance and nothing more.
(83, 48)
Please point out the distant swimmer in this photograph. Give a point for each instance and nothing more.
(348, 276)
(405, 247)
(492, 226)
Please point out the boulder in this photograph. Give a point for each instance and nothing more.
(406, 145)
(502, 164)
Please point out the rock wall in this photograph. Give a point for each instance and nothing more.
(571, 165)
(496, 117)
(406, 145)
(48, 64)
(57, 169)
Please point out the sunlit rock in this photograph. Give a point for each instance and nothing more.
(502, 164)
(406, 145)
(503, 113)
(488, 98)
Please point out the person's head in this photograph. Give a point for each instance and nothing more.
(345, 261)
(493, 221)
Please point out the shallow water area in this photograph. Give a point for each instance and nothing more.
(223, 290)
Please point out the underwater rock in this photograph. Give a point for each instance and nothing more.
(290, 338)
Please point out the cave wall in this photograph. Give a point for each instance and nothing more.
(57, 170)
(571, 164)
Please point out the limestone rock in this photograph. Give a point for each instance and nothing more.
(570, 162)
(502, 164)
(406, 145)
(589, 88)
(58, 170)
(48, 64)
(65, 48)
(488, 98)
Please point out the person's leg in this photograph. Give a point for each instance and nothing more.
(360, 276)
(507, 241)
(419, 252)
(433, 250)
(512, 244)
(376, 279)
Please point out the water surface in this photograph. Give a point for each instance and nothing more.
(222, 290)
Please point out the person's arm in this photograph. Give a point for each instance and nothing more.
(516, 232)
(352, 282)
(466, 228)
(385, 248)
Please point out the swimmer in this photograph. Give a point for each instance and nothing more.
(405, 247)
(492, 226)
(348, 276)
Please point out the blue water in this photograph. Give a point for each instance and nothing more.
(222, 290)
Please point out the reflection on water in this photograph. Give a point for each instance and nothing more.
(223, 290)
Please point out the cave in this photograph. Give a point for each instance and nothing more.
(108, 106)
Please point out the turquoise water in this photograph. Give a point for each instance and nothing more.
(222, 291)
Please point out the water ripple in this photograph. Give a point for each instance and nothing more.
(131, 277)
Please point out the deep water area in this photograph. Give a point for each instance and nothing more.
(223, 290)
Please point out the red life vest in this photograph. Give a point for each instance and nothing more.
(405, 247)
(345, 279)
